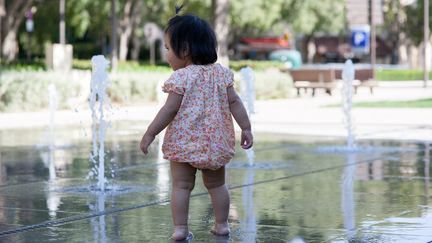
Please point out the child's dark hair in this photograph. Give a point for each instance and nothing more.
(191, 33)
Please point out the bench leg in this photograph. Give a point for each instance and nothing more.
(298, 92)
(313, 91)
(328, 91)
(371, 90)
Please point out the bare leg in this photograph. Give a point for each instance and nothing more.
(214, 181)
(183, 181)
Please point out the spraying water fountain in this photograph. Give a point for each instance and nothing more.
(99, 102)
(347, 93)
(53, 104)
(248, 96)
(53, 200)
(347, 103)
(162, 168)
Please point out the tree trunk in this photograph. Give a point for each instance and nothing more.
(304, 46)
(136, 38)
(221, 26)
(14, 15)
(136, 45)
(123, 47)
(10, 46)
(131, 19)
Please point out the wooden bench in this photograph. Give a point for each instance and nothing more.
(313, 79)
(364, 77)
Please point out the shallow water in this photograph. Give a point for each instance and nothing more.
(293, 191)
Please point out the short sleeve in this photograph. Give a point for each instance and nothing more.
(176, 82)
(229, 78)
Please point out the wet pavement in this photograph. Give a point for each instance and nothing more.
(296, 190)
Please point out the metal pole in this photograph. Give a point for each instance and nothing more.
(2, 14)
(114, 56)
(62, 23)
(426, 44)
(373, 36)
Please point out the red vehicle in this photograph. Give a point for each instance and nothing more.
(259, 48)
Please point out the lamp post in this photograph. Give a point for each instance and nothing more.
(426, 44)
(373, 37)
(62, 22)
(114, 56)
(29, 28)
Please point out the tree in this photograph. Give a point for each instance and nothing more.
(131, 17)
(311, 17)
(11, 14)
(414, 21)
(220, 10)
(394, 20)
(266, 16)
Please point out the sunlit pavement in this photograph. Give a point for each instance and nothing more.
(297, 188)
(321, 115)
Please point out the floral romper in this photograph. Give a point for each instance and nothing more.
(202, 132)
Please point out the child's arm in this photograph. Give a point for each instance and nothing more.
(240, 115)
(165, 115)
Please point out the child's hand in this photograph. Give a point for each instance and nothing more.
(246, 139)
(145, 142)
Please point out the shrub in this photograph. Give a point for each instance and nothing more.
(127, 66)
(133, 87)
(270, 84)
(25, 91)
(29, 90)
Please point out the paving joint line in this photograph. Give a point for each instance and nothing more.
(119, 210)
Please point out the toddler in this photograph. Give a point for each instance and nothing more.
(200, 133)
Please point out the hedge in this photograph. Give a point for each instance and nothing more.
(28, 91)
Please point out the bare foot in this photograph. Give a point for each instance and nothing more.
(180, 233)
(221, 229)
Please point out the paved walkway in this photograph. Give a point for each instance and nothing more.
(303, 115)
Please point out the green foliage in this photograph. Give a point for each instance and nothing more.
(81, 64)
(310, 16)
(35, 65)
(254, 64)
(414, 21)
(265, 14)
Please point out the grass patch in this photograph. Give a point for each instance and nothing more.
(399, 75)
(421, 103)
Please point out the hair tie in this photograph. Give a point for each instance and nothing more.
(178, 9)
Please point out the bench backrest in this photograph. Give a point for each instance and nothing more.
(364, 74)
(313, 75)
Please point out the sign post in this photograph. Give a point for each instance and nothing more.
(360, 39)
